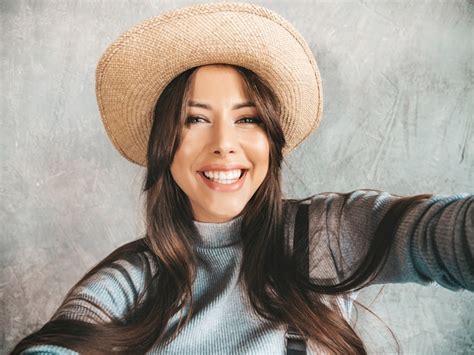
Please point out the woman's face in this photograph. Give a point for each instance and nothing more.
(224, 152)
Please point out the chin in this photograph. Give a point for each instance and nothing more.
(216, 211)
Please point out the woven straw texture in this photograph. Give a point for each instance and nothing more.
(134, 69)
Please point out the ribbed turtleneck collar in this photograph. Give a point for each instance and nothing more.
(215, 235)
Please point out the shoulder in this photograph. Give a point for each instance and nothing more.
(129, 265)
(112, 288)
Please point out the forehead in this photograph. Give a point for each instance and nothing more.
(217, 81)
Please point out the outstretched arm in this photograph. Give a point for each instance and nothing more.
(433, 240)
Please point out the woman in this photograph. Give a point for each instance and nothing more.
(227, 265)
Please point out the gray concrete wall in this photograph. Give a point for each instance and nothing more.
(398, 117)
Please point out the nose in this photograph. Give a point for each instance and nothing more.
(224, 139)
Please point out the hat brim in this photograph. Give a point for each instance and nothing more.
(136, 68)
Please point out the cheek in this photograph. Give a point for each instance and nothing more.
(261, 150)
(184, 154)
(258, 151)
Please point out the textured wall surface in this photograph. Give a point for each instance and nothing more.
(398, 116)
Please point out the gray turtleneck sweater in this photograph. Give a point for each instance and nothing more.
(433, 243)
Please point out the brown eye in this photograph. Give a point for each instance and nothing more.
(194, 119)
(254, 120)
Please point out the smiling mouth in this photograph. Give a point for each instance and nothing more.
(224, 181)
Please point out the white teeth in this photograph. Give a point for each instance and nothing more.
(224, 177)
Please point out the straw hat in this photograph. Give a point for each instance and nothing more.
(135, 68)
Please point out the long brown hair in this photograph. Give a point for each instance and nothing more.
(276, 288)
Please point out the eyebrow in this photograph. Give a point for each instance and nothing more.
(192, 103)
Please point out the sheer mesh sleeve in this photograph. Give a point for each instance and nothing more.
(433, 241)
